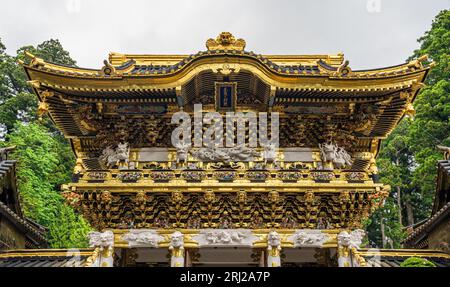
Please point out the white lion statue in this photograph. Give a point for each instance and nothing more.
(330, 152)
(111, 158)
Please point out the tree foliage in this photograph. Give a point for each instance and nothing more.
(417, 262)
(45, 158)
(408, 157)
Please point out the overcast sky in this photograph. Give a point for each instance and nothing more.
(371, 33)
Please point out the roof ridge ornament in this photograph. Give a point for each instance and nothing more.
(35, 61)
(343, 69)
(225, 41)
(108, 69)
(418, 64)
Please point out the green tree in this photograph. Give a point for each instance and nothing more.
(408, 157)
(16, 97)
(51, 51)
(41, 170)
(432, 123)
(417, 262)
(12, 78)
(44, 155)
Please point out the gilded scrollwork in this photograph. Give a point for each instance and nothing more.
(355, 176)
(322, 176)
(96, 175)
(129, 176)
(193, 175)
(225, 175)
(289, 175)
(162, 175)
(257, 175)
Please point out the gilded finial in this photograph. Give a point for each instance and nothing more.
(409, 110)
(78, 166)
(344, 69)
(42, 110)
(35, 61)
(108, 69)
(417, 63)
(34, 84)
(225, 41)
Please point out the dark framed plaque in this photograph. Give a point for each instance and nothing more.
(225, 96)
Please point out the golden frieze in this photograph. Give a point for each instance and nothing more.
(225, 210)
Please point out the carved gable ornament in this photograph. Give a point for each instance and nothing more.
(225, 41)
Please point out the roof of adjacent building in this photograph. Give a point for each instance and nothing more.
(440, 212)
(394, 257)
(34, 231)
(11, 209)
(421, 232)
(48, 258)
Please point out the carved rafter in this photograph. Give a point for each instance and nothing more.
(219, 210)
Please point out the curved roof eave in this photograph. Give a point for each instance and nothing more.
(223, 65)
(319, 69)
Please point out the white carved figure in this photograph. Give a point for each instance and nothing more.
(330, 152)
(238, 153)
(344, 238)
(176, 247)
(176, 240)
(221, 236)
(211, 237)
(225, 237)
(210, 154)
(101, 239)
(346, 242)
(220, 153)
(111, 157)
(352, 239)
(182, 152)
(105, 242)
(270, 153)
(273, 249)
(242, 153)
(327, 151)
(309, 238)
(142, 238)
(357, 237)
(237, 236)
(343, 159)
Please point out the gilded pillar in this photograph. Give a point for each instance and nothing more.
(273, 249)
(104, 241)
(346, 243)
(176, 249)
